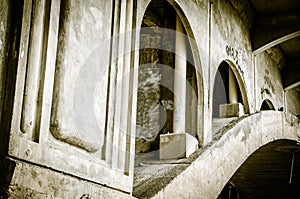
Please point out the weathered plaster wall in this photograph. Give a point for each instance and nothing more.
(228, 44)
(268, 81)
(82, 73)
(293, 102)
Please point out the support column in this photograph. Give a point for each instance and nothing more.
(33, 69)
(178, 144)
(179, 79)
(117, 130)
(233, 97)
(233, 108)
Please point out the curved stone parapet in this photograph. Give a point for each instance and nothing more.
(214, 166)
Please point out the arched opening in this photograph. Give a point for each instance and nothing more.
(267, 105)
(229, 95)
(272, 171)
(168, 84)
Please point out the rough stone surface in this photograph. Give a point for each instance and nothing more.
(23, 180)
(148, 106)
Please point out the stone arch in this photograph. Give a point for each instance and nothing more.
(217, 164)
(221, 77)
(194, 47)
(267, 105)
(276, 156)
(194, 61)
(241, 84)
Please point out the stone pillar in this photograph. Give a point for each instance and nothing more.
(178, 144)
(233, 97)
(179, 79)
(33, 68)
(233, 108)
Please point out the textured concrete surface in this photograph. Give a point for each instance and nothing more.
(148, 105)
(23, 180)
(228, 151)
(75, 30)
(84, 33)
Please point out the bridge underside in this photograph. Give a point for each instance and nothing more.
(270, 172)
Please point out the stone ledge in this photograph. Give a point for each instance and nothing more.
(24, 180)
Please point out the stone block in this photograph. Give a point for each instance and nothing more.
(177, 145)
(191, 144)
(231, 110)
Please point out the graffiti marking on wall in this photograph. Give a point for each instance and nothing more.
(268, 87)
(237, 56)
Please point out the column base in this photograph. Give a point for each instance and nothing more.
(177, 145)
(231, 110)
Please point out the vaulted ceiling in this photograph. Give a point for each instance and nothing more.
(276, 27)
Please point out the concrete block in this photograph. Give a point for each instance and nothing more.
(191, 144)
(231, 110)
(177, 145)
